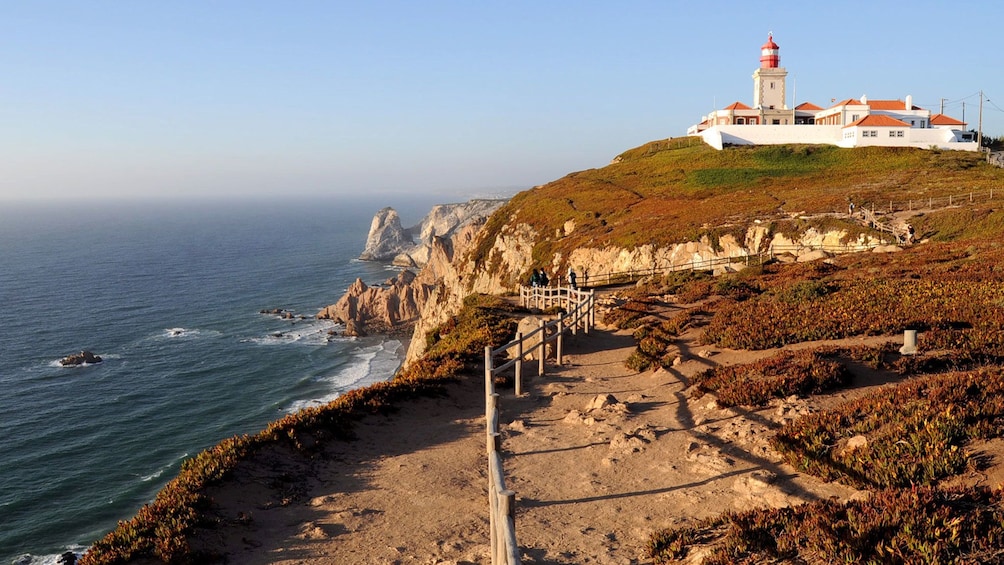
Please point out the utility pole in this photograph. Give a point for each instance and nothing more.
(942, 112)
(979, 128)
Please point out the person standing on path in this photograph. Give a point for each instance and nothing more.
(571, 278)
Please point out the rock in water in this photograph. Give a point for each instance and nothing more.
(80, 359)
(386, 238)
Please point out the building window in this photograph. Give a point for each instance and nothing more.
(892, 133)
(899, 133)
(772, 86)
(912, 123)
(775, 122)
(923, 123)
(740, 121)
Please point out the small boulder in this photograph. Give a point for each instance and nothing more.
(354, 328)
(855, 443)
(601, 401)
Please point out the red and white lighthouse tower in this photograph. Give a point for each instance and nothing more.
(769, 86)
(769, 57)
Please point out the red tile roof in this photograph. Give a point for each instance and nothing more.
(808, 106)
(878, 120)
(737, 106)
(943, 120)
(889, 105)
(848, 102)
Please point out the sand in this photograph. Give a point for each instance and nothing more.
(599, 457)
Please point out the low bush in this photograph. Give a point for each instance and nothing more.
(788, 373)
(915, 526)
(914, 433)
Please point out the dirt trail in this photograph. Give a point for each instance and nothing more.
(599, 457)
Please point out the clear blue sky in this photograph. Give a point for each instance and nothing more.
(234, 97)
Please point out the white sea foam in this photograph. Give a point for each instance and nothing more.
(369, 365)
(28, 559)
(309, 332)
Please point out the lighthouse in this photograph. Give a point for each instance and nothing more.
(769, 86)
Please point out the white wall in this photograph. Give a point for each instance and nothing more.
(719, 136)
(771, 135)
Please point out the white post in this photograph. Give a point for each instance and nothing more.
(909, 342)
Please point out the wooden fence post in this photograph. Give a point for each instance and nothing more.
(489, 389)
(557, 348)
(519, 363)
(543, 349)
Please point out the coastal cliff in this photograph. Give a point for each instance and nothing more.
(411, 247)
(395, 305)
(666, 206)
(509, 258)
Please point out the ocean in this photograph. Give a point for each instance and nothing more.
(169, 295)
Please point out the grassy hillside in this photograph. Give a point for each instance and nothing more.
(678, 189)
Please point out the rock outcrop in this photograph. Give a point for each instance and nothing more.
(412, 247)
(391, 307)
(82, 358)
(386, 238)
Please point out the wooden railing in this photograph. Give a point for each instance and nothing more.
(578, 312)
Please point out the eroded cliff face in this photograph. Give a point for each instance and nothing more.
(510, 258)
(387, 308)
(429, 298)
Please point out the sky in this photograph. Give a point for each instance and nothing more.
(242, 98)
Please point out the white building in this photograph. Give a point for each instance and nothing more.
(848, 123)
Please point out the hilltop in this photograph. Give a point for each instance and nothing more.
(678, 190)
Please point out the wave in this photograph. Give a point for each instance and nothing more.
(367, 365)
(160, 471)
(314, 332)
(29, 559)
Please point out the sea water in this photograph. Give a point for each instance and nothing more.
(169, 296)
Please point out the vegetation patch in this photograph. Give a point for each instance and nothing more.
(917, 526)
(656, 342)
(801, 373)
(912, 434)
(857, 307)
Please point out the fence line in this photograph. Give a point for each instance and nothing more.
(971, 197)
(579, 311)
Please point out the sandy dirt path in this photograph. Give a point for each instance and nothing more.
(599, 457)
